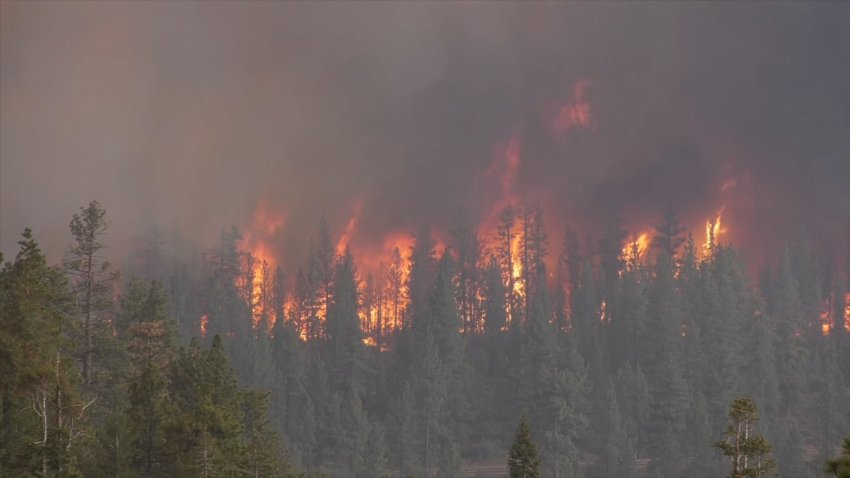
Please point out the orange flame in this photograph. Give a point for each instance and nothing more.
(257, 240)
(204, 321)
(847, 312)
(713, 230)
(575, 112)
(350, 228)
(637, 245)
(516, 266)
(505, 165)
(826, 315)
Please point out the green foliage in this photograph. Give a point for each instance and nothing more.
(92, 286)
(840, 467)
(618, 358)
(523, 461)
(747, 452)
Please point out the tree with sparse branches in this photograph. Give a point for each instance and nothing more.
(748, 452)
(92, 279)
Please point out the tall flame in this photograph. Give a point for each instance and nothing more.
(636, 246)
(350, 228)
(713, 230)
(257, 240)
(205, 319)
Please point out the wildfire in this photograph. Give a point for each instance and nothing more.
(576, 112)
(505, 166)
(847, 312)
(713, 230)
(826, 315)
(350, 228)
(636, 247)
(260, 261)
(516, 265)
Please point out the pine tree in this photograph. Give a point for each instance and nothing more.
(92, 279)
(668, 234)
(150, 346)
(345, 352)
(507, 258)
(747, 452)
(43, 415)
(618, 458)
(395, 286)
(468, 249)
(523, 461)
(421, 276)
(840, 467)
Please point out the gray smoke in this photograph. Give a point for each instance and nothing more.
(181, 116)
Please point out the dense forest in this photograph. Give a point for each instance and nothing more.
(623, 356)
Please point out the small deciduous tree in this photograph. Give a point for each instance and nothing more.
(749, 453)
(523, 461)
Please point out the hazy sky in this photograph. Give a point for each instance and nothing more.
(183, 115)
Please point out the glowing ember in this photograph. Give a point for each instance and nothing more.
(603, 312)
(826, 315)
(204, 321)
(370, 341)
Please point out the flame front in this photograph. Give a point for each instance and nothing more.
(713, 230)
(636, 247)
(260, 261)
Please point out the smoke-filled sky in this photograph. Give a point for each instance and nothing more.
(185, 116)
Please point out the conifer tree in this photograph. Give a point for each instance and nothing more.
(43, 415)
(618, 458)
(840, 467)
(747, 452)
(523, 461)
(92, 279)
(345, 352)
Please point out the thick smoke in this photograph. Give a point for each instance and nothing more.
(182, 116)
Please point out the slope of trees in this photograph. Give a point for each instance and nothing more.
(623, 359)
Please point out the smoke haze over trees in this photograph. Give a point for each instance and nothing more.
(364, 239)
(182, 117)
